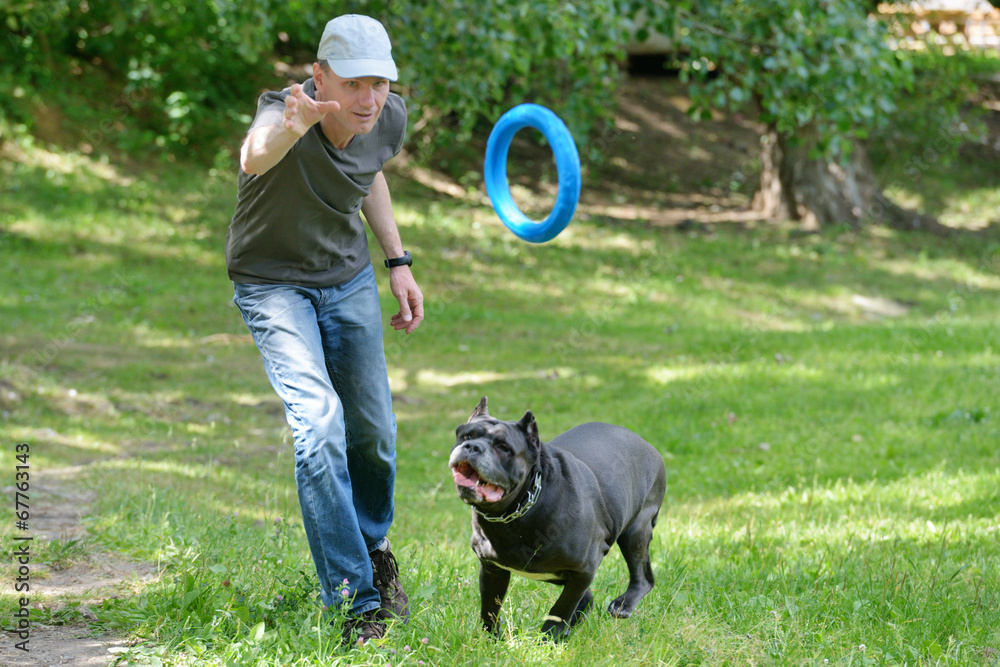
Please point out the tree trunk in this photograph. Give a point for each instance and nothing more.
(795, 186)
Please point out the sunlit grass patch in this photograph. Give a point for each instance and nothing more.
(826, 405)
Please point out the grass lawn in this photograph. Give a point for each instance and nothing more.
(827, 407)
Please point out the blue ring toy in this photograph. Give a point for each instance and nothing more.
(567, 166)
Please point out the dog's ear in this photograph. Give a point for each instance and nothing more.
(530, 429)
(480, 410)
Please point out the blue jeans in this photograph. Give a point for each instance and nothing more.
(323, 354)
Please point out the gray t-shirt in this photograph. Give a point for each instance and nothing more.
(300, 223)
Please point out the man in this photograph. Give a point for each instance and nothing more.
(298, 256)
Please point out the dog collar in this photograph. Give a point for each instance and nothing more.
(522, 509)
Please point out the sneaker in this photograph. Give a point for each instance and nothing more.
(359, 630)
(385, 576)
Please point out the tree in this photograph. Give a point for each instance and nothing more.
(177, 68)
(466, 62)
(821, 75)
(191, 69)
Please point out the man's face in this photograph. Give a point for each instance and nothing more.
(361, 101)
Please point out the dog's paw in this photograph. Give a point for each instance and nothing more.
(620, 607)
(555, 629)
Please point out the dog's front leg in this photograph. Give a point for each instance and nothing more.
(569, 608)
(493, 583)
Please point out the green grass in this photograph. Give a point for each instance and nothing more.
(833, 473)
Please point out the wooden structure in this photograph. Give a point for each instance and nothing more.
(960, 24)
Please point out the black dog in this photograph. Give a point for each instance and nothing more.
(551, 511)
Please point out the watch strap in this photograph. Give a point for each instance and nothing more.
(405, 260)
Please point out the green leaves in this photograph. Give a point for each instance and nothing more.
(823, 66)
(192, 69)
(183, 63)
(201, 64)
(469, 62)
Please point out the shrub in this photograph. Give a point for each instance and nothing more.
(190, 70)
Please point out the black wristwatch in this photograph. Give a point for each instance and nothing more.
(405, 260)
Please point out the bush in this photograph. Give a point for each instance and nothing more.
(938, 114)
(471, 62)
(189, 71)
(178, 67)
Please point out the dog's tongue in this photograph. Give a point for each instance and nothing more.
(467, 477)
(461, 479)
(490, 492)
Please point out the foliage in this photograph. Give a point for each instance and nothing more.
(821, 70)
(191, 69)
(475, 60)
(940, 114)
(179, 66)
(185, 73)
(462, 64)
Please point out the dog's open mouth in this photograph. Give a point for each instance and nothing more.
(466, 476)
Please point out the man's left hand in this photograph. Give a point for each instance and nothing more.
(411, 300)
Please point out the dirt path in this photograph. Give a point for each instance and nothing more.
(86, 574)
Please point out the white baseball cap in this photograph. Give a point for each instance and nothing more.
(356, 46)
